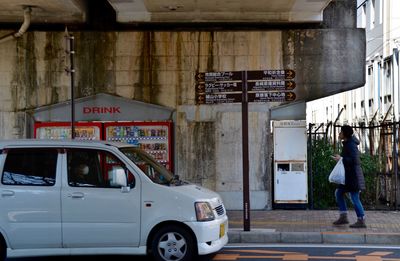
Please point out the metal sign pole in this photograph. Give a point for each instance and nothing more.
(395, 163)
(71, 70)
(245, 149)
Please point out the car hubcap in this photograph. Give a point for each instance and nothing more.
(172, 246)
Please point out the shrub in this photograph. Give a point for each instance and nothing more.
(322, 164)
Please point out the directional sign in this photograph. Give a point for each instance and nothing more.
(218, 87)
(271, 96)
(274, 85)
(202, 98)
(271, 75)
(262, 86)
(219, 76)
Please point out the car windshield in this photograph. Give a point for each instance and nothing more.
(154, 170)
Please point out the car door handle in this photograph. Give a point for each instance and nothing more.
(76, 195)
(7, 193)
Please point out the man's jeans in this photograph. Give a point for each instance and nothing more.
(355, 199)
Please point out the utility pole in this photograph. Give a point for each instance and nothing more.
(69, 40)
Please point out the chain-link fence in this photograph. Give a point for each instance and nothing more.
(379, 160)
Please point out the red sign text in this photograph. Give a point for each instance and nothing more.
(101, 110)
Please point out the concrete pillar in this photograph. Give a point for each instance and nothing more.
(340, 14)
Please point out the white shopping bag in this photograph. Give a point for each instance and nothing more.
(337, 174)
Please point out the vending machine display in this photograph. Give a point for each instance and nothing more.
(153, 137)
(62, 130)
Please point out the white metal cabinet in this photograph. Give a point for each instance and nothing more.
(290, 162)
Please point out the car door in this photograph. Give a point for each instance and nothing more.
(96, 212)
(30, 197)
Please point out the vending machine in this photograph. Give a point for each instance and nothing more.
(62, 130)
(153, 137)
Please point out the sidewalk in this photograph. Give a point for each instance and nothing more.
(313, 226)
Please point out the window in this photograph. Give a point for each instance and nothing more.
(362, 104)
(151, 168)
(372, 14)
(370, 102)
(94, 168)
(387, 99)
(363, 16)
(30, 167)
(354, 105)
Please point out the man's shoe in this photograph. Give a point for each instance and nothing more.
(342, 220)
(359, 224)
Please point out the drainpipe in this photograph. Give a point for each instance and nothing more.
(23, 29)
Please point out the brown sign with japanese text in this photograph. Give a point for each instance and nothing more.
(228, 86)
(271, 96)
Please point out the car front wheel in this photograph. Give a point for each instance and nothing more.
(172, 243)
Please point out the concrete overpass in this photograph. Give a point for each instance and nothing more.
(164, 11)
(149, 51)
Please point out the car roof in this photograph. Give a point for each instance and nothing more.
(60, 143)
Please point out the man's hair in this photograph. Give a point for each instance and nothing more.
(347, 131)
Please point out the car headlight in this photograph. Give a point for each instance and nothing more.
(204, 211)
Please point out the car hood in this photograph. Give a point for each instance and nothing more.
(199, 193)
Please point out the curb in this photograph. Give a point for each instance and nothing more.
(270, 236)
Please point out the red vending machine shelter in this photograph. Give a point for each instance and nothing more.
(153, 137)
(62, 130)
(110, 117)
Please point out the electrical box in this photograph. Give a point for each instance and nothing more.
(290, 164)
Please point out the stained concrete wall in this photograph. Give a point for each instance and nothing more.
(159, 68)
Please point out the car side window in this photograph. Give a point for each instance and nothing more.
(92, 168)
(30, 167)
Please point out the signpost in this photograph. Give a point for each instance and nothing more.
(271, 85)
(271, 75)
(214, 87)
(219, 76)
(271, 96)
(219, 87)
(228, 87)
(215, 98)
(245, 87)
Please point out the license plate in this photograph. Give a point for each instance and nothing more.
(221, 230)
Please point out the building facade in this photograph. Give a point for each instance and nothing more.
(378, 100)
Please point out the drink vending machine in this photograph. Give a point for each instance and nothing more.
(153, 137)
(62, 130)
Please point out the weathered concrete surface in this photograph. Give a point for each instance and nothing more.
(327, 61)
(340, 14)
(159, 68)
